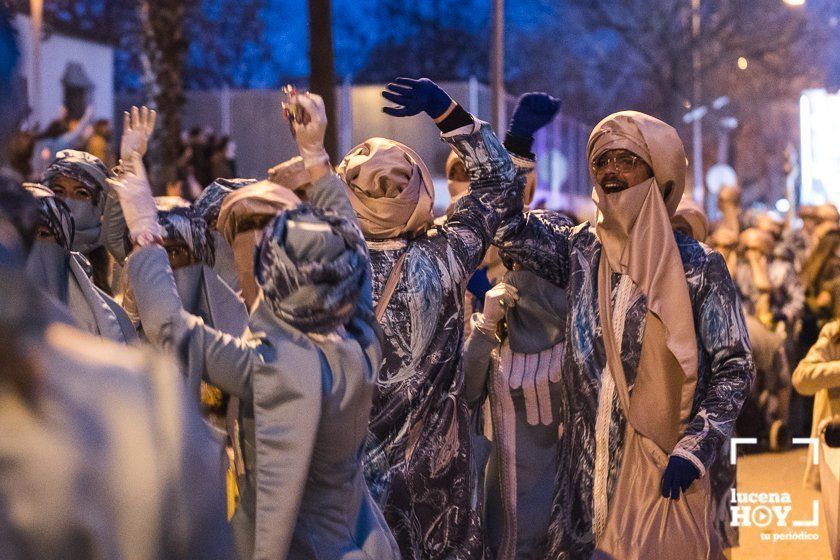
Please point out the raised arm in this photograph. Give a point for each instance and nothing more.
(226, 360)
(820, 369)
(327, 190)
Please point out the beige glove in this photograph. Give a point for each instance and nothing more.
(310, 133)
(138, 205)
(496, 302)
(137, 128)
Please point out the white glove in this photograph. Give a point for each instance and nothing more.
(309, 134)
(501, 297)
(137, 128)
(138, 205)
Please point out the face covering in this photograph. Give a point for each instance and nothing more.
(618, 214)
(244, 245)
(88, 220)
(47, 267)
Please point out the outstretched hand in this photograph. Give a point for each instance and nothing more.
(533, 111)
(415, 96)
(137, 128)
(137, 202)
(678, 477)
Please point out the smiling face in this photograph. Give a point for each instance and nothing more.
(618, 170)
(68, 188)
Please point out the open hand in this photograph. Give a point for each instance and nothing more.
(415, 96)
(137, 128)
(136, 200)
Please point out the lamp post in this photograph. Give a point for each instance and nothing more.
(700, 192)
(36, 13)
(497, 66)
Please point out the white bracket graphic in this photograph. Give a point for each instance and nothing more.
(814, 442)
(815, 516)
(733, 445)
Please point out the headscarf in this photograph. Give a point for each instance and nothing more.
(180, 222)
(259, 200)
(390, 189)
(311, 266)
(757, 240)
(827, 213)
(690, 218)
(770, 223)
(209, 203)
(54, 214)
(256, 199)
(538, 320)
(92, 173)
(81, 166)
(635, 231)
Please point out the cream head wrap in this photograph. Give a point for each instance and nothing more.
(691, 220)
(635, 231)
(390, 189)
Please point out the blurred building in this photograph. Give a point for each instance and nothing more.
(76, 71)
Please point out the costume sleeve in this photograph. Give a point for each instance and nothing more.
(820, 369)
(539, 241)
(478, 350)
(494, 195)
(228, 361)
(724, 339)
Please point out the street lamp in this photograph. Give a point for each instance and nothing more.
(795, 2)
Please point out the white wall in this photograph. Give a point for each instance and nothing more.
(56, 52)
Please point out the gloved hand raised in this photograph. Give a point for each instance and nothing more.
(415, 96)
(137, 128)
(679, 475)
(533, 111)
(137, 203)
(309, 134)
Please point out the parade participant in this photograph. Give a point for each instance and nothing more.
(654, 392)
(65, 274)
(820, 275)
(520, 376)
(419, 451)
(79, 179)
(308, 371)
(783, 277)
(729, 204)
(818, 374)
(725, 241)
(208, 205)
(76, 479)
(691, 220)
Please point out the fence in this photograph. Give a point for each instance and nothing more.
(252, 118)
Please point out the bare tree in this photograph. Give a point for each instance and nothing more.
(164, 50)
(322, 67)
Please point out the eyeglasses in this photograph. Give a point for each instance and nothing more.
(623, 163)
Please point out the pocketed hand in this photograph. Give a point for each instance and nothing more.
(679, 475)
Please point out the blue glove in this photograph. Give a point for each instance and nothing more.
(415, 96)
(479, 284)
(679, 474)
(533, 111)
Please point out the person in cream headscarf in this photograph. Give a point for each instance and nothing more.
(657, 361)
(419, 454)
